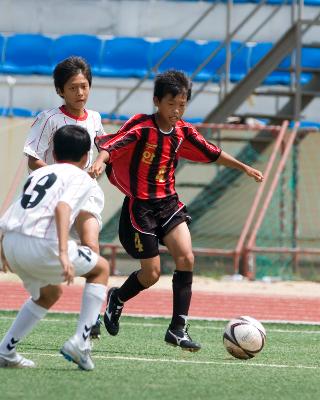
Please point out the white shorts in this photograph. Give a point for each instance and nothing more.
(36, 260)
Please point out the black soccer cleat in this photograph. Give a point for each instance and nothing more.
(113, 312)
(95, 332)
(181, 338)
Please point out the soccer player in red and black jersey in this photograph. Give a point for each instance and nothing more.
(141, 161)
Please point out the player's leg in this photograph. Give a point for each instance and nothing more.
(88, 228)
(139, 245)
(77, 348)
(139, 280)
(178, 242)
(27, 318)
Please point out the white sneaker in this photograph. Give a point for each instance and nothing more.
(71, 352)
(15, 360)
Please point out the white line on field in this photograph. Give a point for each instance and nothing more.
(191, 318)
(167, 360)
(194, 326)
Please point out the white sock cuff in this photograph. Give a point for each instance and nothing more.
(95, 289)
(35, 309)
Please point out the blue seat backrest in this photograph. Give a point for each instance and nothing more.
(1, 50)
(86, 46)
(279, 77)
(125, 57)
(27, 54)
(185, 57)
(214, 69)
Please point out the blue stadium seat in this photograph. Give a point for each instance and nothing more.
(185, 57)
(27, 54)
(214, 70)
(125, 57)
(1, 51)
(276, 77)
(240, 61)
(86, 46)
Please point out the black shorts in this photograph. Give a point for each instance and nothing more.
(144, 223)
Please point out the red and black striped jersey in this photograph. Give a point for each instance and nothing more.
(143, 159)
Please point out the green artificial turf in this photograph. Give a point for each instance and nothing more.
(137, 364)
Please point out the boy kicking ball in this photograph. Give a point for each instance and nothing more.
(36, 246)
(141, 161)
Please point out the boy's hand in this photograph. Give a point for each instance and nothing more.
(98, 166)
(68, 268)
(96, 169)
(255, 174)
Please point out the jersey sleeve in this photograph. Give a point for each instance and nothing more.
(196, 148)
(117, 144)
(38, 139)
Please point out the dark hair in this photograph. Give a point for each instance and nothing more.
(71, 142)
(172, 82)
(69, 67)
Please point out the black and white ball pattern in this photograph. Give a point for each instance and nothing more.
(244, 337)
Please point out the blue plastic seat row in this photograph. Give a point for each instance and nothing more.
(126, 57)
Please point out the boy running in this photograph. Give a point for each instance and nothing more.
(36, 247)
(141, 161)
(72, 80)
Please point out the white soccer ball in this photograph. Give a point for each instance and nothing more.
(244, 337)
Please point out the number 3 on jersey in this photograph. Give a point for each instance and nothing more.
(33, 195)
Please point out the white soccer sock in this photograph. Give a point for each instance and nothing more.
(93, 296)
(27, 318)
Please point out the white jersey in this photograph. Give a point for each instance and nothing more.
(33, 214)
(39, 143)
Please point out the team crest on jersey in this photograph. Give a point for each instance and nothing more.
(149, 153)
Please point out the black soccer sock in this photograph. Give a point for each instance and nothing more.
(130, 288)
(181, 286)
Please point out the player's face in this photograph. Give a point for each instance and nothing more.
(75, 94)
(170, 109)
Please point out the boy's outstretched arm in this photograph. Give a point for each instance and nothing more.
(97, 167)
(228, 161)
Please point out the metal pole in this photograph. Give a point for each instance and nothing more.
(268, 198)
(258, 196)
(228, 48)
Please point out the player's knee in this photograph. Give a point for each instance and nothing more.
(49, 296)
(186, 261)
(91, 243)
(100, 271)
(54, 294)
(155, 276)
(151, 276)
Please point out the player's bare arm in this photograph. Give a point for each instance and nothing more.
(62, 217)
(227, 160)
(98, 166)
(35, 163)
(5, 265)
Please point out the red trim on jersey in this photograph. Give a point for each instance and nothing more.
(64, 111)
